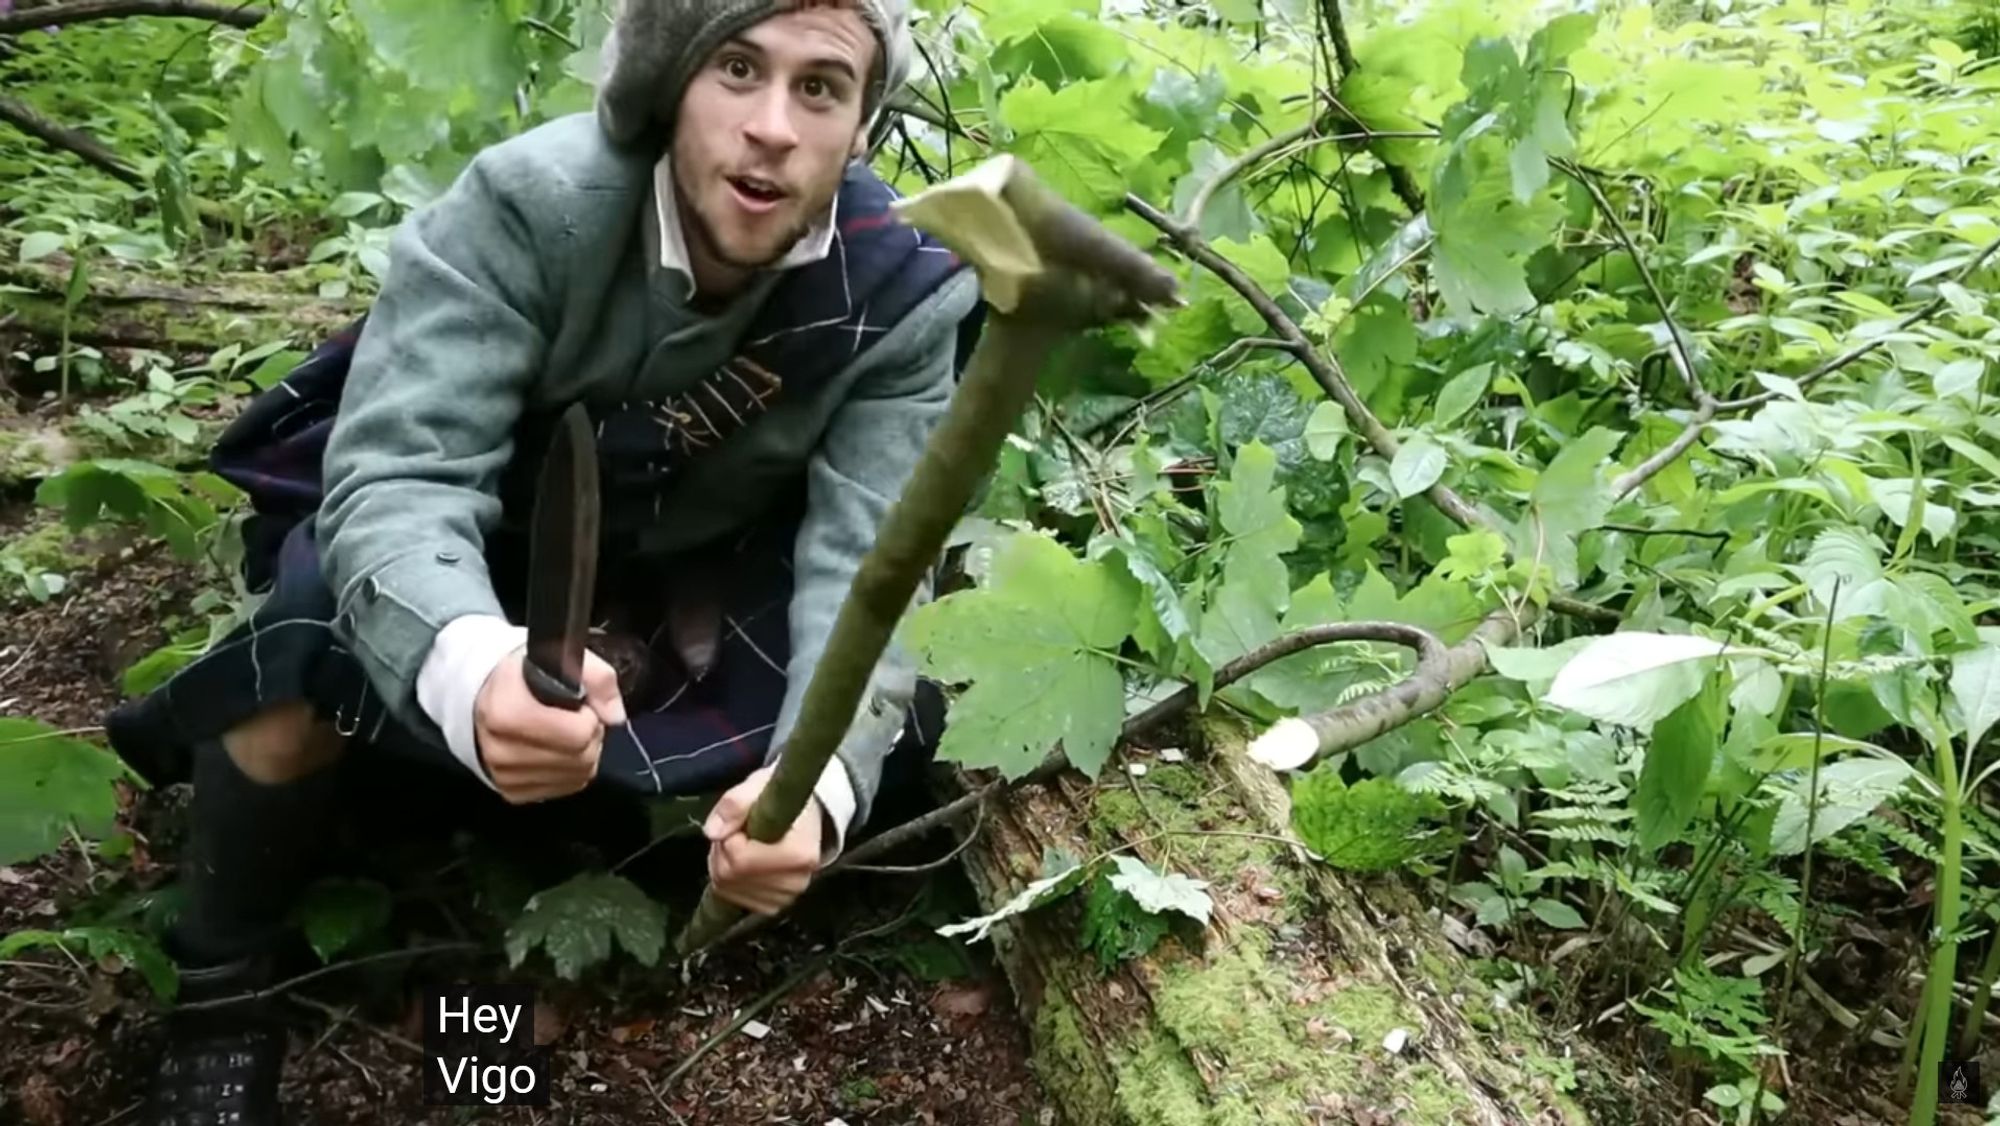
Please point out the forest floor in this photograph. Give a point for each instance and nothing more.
(897, 1027)
(876, 1019)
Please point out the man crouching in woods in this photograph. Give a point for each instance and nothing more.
(708, 265)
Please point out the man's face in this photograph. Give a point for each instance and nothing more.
(764, 133)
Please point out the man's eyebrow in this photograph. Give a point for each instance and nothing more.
(820, 62)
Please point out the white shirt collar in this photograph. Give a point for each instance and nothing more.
(816, 244)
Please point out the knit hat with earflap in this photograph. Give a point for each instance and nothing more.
(655, 47)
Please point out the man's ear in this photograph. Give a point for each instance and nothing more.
(860, 144)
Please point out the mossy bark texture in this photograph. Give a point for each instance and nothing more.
(1314, 996)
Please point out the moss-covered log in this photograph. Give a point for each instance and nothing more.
(126, 309)
(1314, 996)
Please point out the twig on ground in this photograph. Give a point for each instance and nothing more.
(121, 1112)
(75, 141)
(972, 834)
(342, 1016)
(658, 1097)
(748, 1013)
(85, 11)
(294, 982)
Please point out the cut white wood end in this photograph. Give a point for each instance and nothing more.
(1288, 745)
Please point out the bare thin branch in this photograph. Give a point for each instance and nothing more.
(1927, 311)
(85, 11)
(1707, 412)
(1666, 455)
(1336, 31)
(1235, 168)
(1683, 356)
(92, 151)
(1288, 143)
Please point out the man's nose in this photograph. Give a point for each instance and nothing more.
(770, 121)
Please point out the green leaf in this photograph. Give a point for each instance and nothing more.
(1061, 874)
(337, 913)
(576, 921)
(1261, 530)
(1556, 913)
(1034, 643)
(1850, 560)
(1635, 678)
(1325, 430)
(1116, 928)
(1532, 665)
(1464, 392)
(1678, 761)
(1849, 791)
(1159, 893)
(51, 783)
(1372, 826)
(129, 947)
(1082, 139)
(1975, 688)
(1418, 464)
(41, 244)
(1567, 494)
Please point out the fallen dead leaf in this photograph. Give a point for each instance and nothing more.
(550, 1024)
(637, 1030)
(42, 1101)
(962, 999)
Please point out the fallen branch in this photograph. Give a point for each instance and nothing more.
(86, 147)
(1430, 652)
(1326, 371)
(85, 11)
(1294, 742)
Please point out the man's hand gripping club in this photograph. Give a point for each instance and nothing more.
(535, 752)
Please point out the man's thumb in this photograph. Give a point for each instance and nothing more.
(730, 812)
(600, 689)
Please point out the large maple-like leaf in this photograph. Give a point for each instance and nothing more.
(1034, 647)
(576, 921)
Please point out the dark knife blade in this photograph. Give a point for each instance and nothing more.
(562, 563)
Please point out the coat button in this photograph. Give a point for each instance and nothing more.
(372, 588)
(447, 557)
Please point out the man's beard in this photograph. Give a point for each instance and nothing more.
(704, 233)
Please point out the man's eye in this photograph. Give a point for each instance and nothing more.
(737, 67)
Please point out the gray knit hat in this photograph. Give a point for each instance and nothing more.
(655, 47)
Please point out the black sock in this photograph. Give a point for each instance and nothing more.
(251, 849)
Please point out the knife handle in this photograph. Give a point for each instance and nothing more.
(550, 689)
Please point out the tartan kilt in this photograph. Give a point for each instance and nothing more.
(684, 735)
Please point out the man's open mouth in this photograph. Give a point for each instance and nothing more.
(763, 191)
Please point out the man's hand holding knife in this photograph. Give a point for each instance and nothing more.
(541, 714)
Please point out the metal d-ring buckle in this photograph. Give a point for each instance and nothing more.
(343, 726)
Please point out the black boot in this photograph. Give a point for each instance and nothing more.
(251, 849)
(221, 1065)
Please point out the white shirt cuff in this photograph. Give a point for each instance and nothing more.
(835, 792)
(463, 655)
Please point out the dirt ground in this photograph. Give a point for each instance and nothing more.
(895, 1027)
